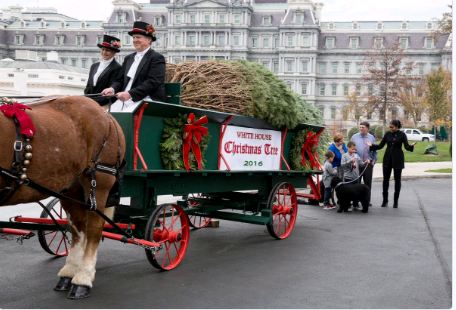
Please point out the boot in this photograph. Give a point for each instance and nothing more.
(385, 200)
(396, 199)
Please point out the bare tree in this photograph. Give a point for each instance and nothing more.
(445, 23)
(355, 109)
(412, 96)
(384, 74)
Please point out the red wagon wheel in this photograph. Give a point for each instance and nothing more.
(55, 242)
(284, 208)
(169, 226)
(196, 221)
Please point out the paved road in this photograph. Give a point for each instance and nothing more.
(388, 258)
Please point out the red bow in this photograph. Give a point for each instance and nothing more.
(193, 133)
(18, 110)
(309, 148)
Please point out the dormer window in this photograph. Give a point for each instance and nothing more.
(379, 26)
(429, 42)
(299, 18)
(378, 43)
(403, 43)
(121, 17)
(330, 42)
(62, 25)
(43, 24)
(404, 26)
(267, 20)
(355, 26)
(39, 39)
(83, 25)
(331, 26)
(429, 26)
(354, 42)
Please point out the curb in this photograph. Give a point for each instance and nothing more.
(415, 177)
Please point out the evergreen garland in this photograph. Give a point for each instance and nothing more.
(171, 145)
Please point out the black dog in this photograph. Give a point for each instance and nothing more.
(346, 193)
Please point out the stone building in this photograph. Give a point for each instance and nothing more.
(321, 60)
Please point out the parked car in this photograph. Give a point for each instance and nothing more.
(414, 134)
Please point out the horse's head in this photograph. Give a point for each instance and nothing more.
(336, 180)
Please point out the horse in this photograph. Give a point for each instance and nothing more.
(72, 134)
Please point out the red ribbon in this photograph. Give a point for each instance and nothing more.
(309, 149)
(25, 122)
(193, 133)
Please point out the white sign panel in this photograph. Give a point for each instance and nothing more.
(250, 149)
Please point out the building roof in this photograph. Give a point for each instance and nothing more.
(41, 65)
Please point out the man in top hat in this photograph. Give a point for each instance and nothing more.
(102, 74)
(143, 72)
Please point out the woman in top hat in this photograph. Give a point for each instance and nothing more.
(143, 72)
(103, 73)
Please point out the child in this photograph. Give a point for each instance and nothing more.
(328, 173)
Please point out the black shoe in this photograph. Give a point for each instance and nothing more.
(384, 204)
(339, 210)
(395, 205)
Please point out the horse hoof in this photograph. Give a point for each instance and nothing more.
(64, 284)
(79, 291)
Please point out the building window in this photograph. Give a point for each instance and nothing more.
(289, 65)
(299, 18)
(207, 18)
(322, 88)
(429, 42)
(178, 40)
(84, 62)
(19, 39)
(306, 40)
(322, 67)
(304, 88)
(127, 39)
(346, 89)
(74, 62)
(254, 41)
(121, 17)
(267, 20)
(275, 67)
(359, 67)
(222, 18)
(378, 43)
(420, 68)
(266, 43)
(289, 84)
(276, 41)
(334, 67)
(39, 39)
(192, 18)
(266, 63)
(63, 60)
(59, 39)
(333, 112)
(237, 19)
(379, 26)
(221, 39)
(177, 60)
(331, 26)
(206, 39)
(429, 26)
(370, 89)
(355, 26)
(191, 39)
(289, 38)
(403, 43)
(178, 19)
(358, 89)
(11, 75)
(347, 67)
(33, 76)
(334, 89)
(435, 66)
(354, 42)
(236, 39)
(80, 40)
(329, 42)
(158, 20)
(305, 65)
(404, 26)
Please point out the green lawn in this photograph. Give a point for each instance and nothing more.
(443, 170)
(418, 154)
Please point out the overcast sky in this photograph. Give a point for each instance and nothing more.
(333, 10)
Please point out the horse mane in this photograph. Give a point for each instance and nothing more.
(44, 100)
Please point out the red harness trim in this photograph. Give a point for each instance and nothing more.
(17, 110)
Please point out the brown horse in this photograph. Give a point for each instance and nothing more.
(70, 133)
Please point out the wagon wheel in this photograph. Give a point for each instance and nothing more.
(55, 242)
(284, 208)
(196, 221)
(169, 226)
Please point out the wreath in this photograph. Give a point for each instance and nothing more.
(171, 145)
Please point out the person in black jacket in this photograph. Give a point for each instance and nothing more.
(393, 159)
(143, 72)
(103, 73)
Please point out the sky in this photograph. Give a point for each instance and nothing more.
(333, 10)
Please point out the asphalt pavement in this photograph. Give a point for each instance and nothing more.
(388, 258)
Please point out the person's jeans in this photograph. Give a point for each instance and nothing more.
(327, 195)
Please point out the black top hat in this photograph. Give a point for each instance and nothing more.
(110, 42)
(143, 28)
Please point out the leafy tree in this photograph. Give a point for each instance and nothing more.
(385, 74)
(355, 108)
(438, 96)
(412, 97)
(445, 23)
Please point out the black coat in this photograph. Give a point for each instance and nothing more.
(394, 156)
(106, 78)
(149, 79)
